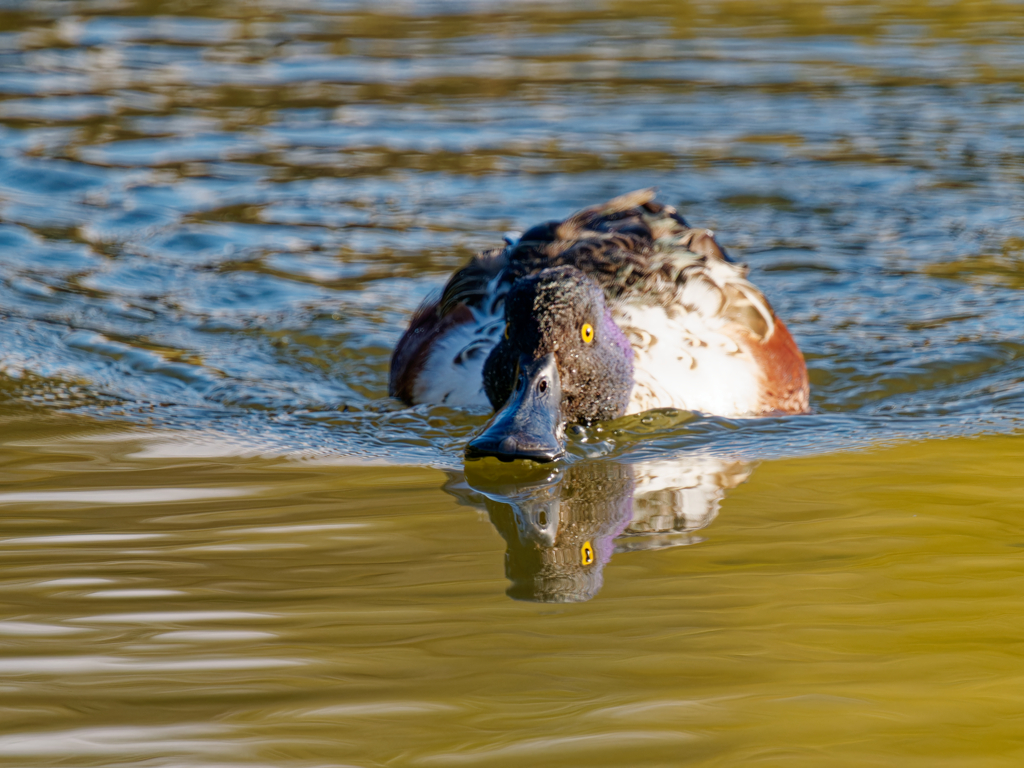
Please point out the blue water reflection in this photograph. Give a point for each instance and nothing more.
(252, 206)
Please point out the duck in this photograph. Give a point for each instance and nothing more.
(620, 308)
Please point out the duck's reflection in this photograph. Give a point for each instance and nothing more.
(562, 525)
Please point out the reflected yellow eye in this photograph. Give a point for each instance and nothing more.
(506, 331)
(587, 333)
(587, 551)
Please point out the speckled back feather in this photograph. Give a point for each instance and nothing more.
(637, 250)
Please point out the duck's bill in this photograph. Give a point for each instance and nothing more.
(529, 426)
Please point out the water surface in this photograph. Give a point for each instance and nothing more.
(223, 545)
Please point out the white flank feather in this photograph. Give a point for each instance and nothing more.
(453, 373)
(687, 361)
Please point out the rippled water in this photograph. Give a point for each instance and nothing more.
(224, 545)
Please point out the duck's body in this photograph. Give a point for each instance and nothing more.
(703, 338)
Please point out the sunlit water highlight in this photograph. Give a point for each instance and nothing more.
(223, 545)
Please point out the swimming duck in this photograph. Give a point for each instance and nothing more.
(620, 308)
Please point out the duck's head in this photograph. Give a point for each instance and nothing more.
(562, 360)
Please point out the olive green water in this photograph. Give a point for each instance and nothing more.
(222, 544)
(854, 609)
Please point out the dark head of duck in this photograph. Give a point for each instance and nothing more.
(562, 360)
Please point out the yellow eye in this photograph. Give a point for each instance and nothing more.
(586, 553)
(587, 333)
(506, 331)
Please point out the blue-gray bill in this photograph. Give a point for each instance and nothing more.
(529, 425)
